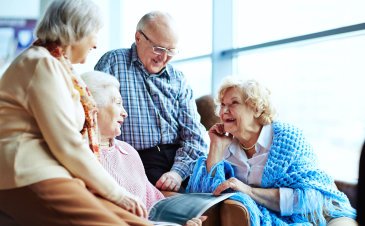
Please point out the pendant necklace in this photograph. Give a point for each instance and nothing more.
(247, 149)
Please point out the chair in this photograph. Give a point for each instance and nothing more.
(6, 220)
(206, 110)
(227, 213)
(350, 190)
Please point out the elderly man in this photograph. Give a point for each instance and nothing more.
(164, 125)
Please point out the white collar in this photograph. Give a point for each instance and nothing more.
(263, 142)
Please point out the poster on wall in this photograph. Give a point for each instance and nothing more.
(15, 35)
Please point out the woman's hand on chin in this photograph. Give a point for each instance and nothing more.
(219, 138)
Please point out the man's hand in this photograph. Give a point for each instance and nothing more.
(170, 181)
(133, 205)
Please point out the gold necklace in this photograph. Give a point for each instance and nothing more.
(247, 149)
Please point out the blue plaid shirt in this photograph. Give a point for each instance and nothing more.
(161, 108)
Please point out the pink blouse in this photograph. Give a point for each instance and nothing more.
(124, 164)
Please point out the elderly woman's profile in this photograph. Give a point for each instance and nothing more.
(270, 164)
(119, 158)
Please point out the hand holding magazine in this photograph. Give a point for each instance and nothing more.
(179, 208)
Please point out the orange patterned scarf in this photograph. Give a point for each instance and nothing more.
(90, 126)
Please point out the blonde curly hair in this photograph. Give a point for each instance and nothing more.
(255, 95)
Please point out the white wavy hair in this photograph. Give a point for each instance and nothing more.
(100, 84)
(68, 21)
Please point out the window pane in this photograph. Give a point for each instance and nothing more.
(198, 73)
(263, 21)
(195, 34)
(318, 86)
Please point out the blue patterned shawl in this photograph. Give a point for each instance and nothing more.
(292, 164)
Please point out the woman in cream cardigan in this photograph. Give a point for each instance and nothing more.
(49, 174)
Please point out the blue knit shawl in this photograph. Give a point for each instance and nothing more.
(291, 164)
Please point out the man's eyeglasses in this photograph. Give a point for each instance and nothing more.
(159, 50)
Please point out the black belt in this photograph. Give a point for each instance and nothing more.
(161, 147)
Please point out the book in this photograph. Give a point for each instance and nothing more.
(179, 208)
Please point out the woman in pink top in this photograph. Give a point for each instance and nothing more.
(119, 158)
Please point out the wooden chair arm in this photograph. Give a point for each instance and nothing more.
(234, 213)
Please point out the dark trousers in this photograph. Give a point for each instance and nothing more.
(159, 160)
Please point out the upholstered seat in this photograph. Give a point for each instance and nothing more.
(6, 220)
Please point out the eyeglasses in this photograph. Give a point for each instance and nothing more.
(159, 50)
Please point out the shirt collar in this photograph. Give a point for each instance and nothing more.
(121, 150)
(114, 145)
(264, 141)
(134, 55)
(265, 138)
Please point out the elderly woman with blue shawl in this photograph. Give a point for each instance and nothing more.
(269, 163)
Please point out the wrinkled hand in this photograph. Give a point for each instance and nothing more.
(170, 181)
(133, 205)
(219, 140)
(219, 137)
(196, 221)
(234, 184)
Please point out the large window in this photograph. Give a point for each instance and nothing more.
(263, 21)
(317, 84)
(194, 19)
(199, 73)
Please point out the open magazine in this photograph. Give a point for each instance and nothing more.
(179, 208)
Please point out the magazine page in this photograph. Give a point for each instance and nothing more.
(162, 223)
(182, 207)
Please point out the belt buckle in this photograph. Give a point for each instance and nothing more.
(158, 148)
